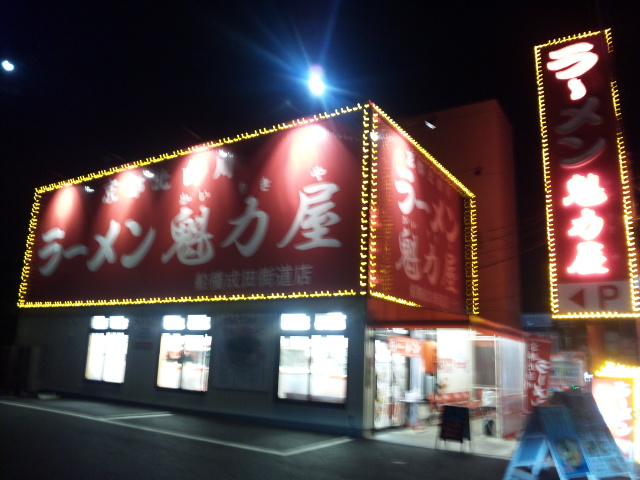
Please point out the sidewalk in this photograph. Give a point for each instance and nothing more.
(480, 444)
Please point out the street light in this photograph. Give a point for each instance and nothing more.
(316, 83)
(7, 66)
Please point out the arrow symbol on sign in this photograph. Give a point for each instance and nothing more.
(578, 298)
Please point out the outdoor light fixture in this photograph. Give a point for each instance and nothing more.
(316, 83)
(7, 66)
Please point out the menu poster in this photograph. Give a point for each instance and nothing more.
(577, 444)
(563, 442)
(549, 430)
(602, 453)
(243, 352)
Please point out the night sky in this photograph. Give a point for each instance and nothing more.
(99, 84)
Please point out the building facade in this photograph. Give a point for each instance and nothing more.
(299, 275)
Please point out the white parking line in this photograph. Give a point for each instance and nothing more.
(133, 416)
(242, 446)
(316, 446)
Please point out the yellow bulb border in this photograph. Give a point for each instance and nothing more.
(470, 220)
(367, 264)
(626, 194)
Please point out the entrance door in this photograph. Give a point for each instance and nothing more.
(391, 384)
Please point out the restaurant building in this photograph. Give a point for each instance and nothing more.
(321, 273)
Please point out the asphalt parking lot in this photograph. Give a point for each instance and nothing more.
(202, 428)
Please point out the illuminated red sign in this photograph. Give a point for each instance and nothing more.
(588, 209)
(615, 400)
(537, 371)
(418, 224)
(405, 346)
(269, 214)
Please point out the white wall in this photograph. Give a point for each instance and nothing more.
(62, 337)
(454, 360)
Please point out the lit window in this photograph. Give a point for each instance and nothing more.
(99, 323)
(107, 350)
(198, 322)
(295, 321)
(118, 323)
(313, 364)
(330, 321)
(173, 322)
(184, 357)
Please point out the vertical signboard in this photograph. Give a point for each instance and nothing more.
(614, 389)
(420, 224)
(272, 214)
(592, 251)
(537, 371)
(614, 397)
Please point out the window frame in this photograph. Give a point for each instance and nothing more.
(108, 358)
(312, 331)
(183, 332)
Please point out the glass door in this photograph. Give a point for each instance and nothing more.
(391, 384)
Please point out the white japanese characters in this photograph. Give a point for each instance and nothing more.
(430, 227)
(570, 63)
(537, 373)
(314, 217)
(54, 252)
(242, 223)
(584, 193)
(194, 235)
(192, 243)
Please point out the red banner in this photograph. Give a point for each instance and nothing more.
(537, 371)
(271, 214)
(419, 227)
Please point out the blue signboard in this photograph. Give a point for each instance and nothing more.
(552, 430)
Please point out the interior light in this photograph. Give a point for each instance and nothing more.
(198, 322)
(99, 322)
(330, 321)
(118, 323)
(295, 321)
(173, 322)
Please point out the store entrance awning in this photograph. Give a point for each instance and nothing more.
(386, 314)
